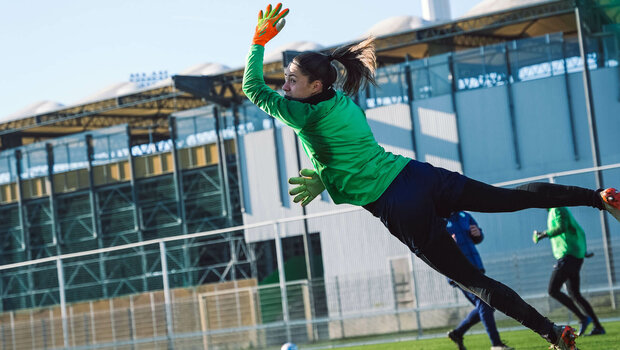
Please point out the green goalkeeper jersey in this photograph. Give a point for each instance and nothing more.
(567, 237)
(335, 135)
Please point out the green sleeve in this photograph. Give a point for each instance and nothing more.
(559, 222)
(292, 113)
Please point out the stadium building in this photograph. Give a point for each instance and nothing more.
(156, 214)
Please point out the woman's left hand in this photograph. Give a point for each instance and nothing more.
(269, 24)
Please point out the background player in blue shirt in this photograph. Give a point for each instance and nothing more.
(466, 233)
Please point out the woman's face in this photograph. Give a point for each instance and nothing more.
(296, 84)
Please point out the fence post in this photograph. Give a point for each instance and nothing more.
(417, 302)
(3, 336)
(86, 330)
(153, 318)
(63, 301)
(339, 307)
(92, 321)
(395, 296)
(281, 277)
(44, 332)
(131, 327)
(112, 323)
(167, 305)
(305, 294)
(33, 336)
(12, 317)
(596, 154)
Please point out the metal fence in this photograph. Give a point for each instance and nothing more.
(408, 299)
(242, 315)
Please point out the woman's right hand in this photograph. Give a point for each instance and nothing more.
(310, 186)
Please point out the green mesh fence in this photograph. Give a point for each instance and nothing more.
(13, 247)
(117, 215)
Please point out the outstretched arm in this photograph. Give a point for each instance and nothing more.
(292, 113)
(310, 186)
(559, 225)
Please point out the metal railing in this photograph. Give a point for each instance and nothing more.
(410, 298)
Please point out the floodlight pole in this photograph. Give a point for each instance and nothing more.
(589, 101)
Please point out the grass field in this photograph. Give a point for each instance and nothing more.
(520, 340)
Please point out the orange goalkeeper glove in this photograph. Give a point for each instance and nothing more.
(269, 24)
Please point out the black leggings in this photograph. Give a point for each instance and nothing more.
(567, 271)
(443, 254)
(480, 197)
(413, 208)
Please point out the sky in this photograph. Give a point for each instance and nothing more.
(66, 50)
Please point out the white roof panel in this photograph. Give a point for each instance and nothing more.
(276, 54)
(489, 6)
(39, 107)
(395, 25)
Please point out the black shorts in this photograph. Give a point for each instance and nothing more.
(414, 206)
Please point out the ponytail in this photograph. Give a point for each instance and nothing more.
(359, 62)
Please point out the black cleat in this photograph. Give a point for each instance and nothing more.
(457, 339)
(598, 331)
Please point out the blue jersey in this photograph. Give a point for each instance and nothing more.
(458, 226)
